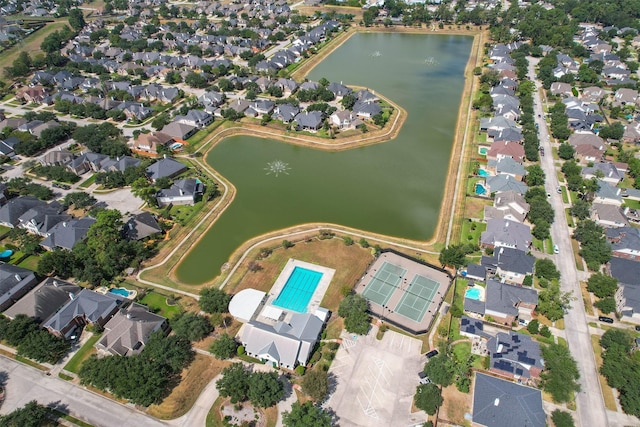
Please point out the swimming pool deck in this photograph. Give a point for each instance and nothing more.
(316, 298)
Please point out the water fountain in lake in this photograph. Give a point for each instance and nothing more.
(277, 167)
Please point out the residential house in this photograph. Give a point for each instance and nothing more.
(502, 183)
(32, 94)
(507, 166)
(625, 96)
(587, 153)
(606, 171)
(502, 149)
(196, 118)
(165, 167)
(497, 124)
(366, 110)
(509, 205)
(559, 88)
(84, 308)
(502, 232)
(608, 194)
(515, 355)
(15, 282)
(283, 344)
(310, 121)
(7, 145)
(509, 265)
(66, 234)
(57, 158)
(128, 331)
(593, 94)
(44, 300)
(587, 138)
(41, 219)
(343, 119)
(147, 144)
(11, 211)
(500, 403)
(507, 303)
(627, 273)
(12, 123)
(472, 328)
(608, 216)
(285, 112)
(179, 131)
(181, 192)
(141, 226)
(625, 242)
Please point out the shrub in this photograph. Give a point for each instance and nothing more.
(240, 350)
(300, 370)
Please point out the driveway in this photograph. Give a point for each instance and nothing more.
(374, 381)
(591, 409)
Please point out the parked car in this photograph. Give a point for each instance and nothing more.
(431, 354)
(605, 319)
(556, 250)
(424, 379)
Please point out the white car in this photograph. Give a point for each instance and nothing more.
(556, 250)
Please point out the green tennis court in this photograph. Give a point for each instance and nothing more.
(384, 283)
(417, 298)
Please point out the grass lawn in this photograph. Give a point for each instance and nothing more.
(565, 195)
(576, 253)
(471, 231)
(30, 44)
(462, 351)
(471, 185)
(607, 392)
(214, 418)
(474, 207)
(586, 299)
(83, 354)
(569, 217)
(538, 244)
(202, 134)
(562, 341)
(87, 182)
(4, 230)
(633, 204)
(194, 379)
(549, 246)
(157, 303)
(14, 257)
(30, 262)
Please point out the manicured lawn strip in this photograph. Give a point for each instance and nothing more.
(194, 379)
(200, 136)
(157, 302)
(214, 418)
(567, 214)
(632, 204)
(83, 354)
(4, 230)
(23, 360)
(462, 351)
(607, 392)
(74, 420)
(65, 377)
(87, 183)
(538, 244)
(576, 253)
(562, 341)
(471, 231)
(30, 262)
(549, 246)
(586, 299)
(565, 195)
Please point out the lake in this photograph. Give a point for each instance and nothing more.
(393, 188)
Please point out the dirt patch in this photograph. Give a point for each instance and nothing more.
(194, 379)
(455, 405)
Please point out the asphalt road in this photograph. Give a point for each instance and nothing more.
(590, 405)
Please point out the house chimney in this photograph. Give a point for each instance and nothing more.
(18, 278)
(55, 283)
(72, 296)
(496, 402)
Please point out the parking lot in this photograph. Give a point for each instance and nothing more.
(375, 380)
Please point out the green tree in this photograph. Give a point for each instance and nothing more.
(602, 285)
(354, 311)
(224, 347)
(306, 415)
(214, 300)
(79, 199)
(234, 383)
(533, 327)
(546, 268)
(265, 389)
(428, 397)
(580, 209)
(191, 326)
(76, 19)
(453, 256)
(560, 377)
(535, 175)
(315, 384)
(30, 415)
(18, 329)
(566, 151)
(440, 369)
(606, 305)
(614, 131)
(562, 419)
(41, 346)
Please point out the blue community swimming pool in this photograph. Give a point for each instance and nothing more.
(473, 293)
(297, 291)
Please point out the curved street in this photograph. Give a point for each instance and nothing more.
(590, 404)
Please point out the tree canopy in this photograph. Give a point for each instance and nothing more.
(224, 347)
(440, 369)
(354, 311)
(306, 415)
(602, 285)
(428, 397)
(315, 384)
(214, 300)
(454, 256)
(30, 415)
(560, 377)
(192, 326)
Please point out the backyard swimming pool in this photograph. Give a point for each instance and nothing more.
(298, 289)
(473, 293)
(480, 190)
(483, 151)
(123, 292)
(483, 172)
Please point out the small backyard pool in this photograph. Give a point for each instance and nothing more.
(483, 172)
(483, 150)
(475, 293)
(480, 189)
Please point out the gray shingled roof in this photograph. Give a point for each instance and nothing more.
(510, 259)
(473, 327)
(503, 298)
(13, 281)
(66, 234)
(129, 330)
(624, 238)
(625, 270)
(44, 300)
(166, 167)
(514, 353)
(474, 306)
(14, 208)
(502, 232)
(500, 403)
